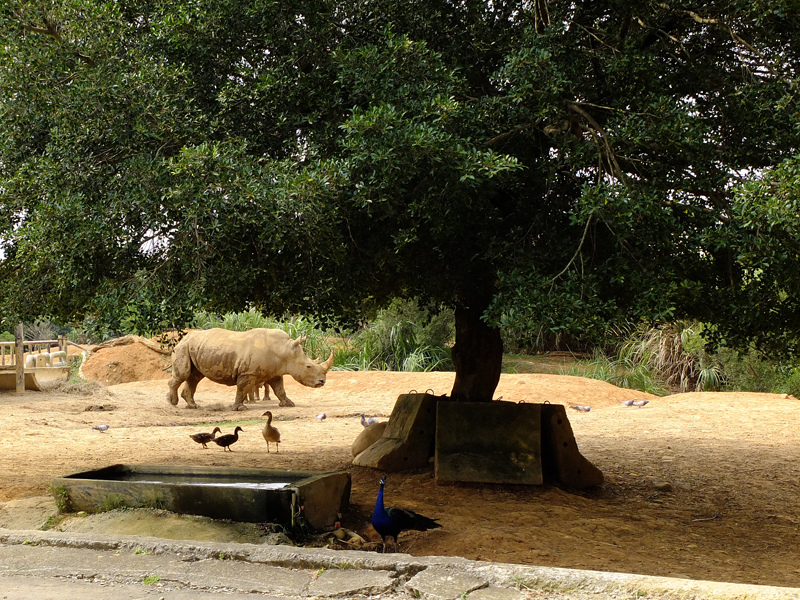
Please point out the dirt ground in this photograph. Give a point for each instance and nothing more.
(699, 485)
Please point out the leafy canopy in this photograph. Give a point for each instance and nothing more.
(567, 165)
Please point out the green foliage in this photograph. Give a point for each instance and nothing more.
(155, 500)
(403, 337)
(151, 579)
(622, 372)
(61, 497)
(5, 336)
(112, 502)
(571, 169)
(52, 521)
(752, 371)
(675, 357)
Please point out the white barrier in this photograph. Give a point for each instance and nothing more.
(58, 359)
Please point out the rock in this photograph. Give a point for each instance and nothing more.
(368, 436)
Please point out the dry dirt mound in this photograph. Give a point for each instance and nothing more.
(123, 364)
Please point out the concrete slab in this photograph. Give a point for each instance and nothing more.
(8, 381)
(351, 582)
(562, 461)
(488, 442)
(443, 583)
(28, 588)
(496, 593)
(408, 440)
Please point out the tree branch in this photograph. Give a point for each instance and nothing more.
(735, 37)
(577, 252)
(52, 28)
(601, 141)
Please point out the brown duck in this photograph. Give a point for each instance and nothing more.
(270, 433)
(204, 438)
(228, 439)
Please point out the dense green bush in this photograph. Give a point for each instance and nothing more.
(675, 357)
(404, 337)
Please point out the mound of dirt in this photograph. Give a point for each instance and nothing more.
(123, 364)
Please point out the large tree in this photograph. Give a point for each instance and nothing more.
(551, 167)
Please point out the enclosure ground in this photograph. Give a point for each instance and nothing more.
(701, 485)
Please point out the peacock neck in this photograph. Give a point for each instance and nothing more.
(379, 502)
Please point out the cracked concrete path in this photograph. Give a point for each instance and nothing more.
(36, 565)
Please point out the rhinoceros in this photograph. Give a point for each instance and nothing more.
(245, 359)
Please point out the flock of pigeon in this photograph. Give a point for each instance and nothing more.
(639, 403)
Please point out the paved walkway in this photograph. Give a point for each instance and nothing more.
(36, 565)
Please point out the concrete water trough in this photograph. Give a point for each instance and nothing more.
(249, 495)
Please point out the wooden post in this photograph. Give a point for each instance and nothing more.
(19, 356)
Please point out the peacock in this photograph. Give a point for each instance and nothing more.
(389, 522)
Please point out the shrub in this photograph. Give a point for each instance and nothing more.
(404, 337)
(622, 372)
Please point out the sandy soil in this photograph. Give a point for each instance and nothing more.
(701, 485)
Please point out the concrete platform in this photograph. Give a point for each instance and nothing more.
(33, 377)
(36, 565)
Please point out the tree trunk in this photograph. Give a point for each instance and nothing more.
(478, 357)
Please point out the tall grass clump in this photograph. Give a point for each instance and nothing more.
(676, 353)
(621, 372)
(676, 357)
(670, 357)
(403, 337)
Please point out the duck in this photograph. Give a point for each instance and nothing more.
(227, 440)
(270, 433)
(390, 521)
(204, 438)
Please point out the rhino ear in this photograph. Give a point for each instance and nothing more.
(299, 341)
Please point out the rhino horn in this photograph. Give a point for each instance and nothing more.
(328, 363)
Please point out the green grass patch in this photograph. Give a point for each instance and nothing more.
(61, 497)
(232, 424)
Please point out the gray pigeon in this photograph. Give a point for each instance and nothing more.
(101, 428)
(322, 416)
(641, 402)
(628, 402)
(367, 422)
(581, 408)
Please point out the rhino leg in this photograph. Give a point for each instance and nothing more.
(181, 371)
(254, 396)
(276, 383)
(172, 394)
(191, 386)
(244, 388)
